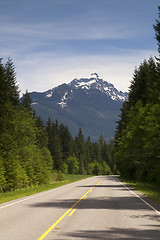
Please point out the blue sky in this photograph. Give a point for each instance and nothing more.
(54, 41)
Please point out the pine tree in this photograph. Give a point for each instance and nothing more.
(23, 160)
(81, 153)
(12, 92)
(42, 138)
(157, 31)
(26, 101)
(50, 135)
(73, 165)
(3, 88)
(2, 175)
(54, 144)
(66, 141)
(142, 83)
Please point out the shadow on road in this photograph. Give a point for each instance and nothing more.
(115, 233)
(105, 202)
(105, 186)
(114, 203)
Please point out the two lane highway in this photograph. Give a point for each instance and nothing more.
(95, 208)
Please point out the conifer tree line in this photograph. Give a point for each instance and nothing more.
(78, 156)
(137, 139)
(24, 159)
(30, 151)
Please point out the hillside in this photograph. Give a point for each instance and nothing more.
(90, 103)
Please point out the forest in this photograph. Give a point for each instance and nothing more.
(137, 138)
(30, 151)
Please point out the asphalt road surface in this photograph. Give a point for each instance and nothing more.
(95, 208)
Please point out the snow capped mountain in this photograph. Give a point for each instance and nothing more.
(94, 82)
(90, 103)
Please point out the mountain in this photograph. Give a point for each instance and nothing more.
(90, 103)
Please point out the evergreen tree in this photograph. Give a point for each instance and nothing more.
(73, 165)
(50, 135)
(89, 152)
(3, 88)
(157, 31)
(137, 139)
(81, 153)
(26, 101)
(142, 84)
(122, 123)
(11, 91)
(42, 138)
(66, 141)
(23, 161)
(2, 175)
(54, 144)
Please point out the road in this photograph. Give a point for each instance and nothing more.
(95, 208)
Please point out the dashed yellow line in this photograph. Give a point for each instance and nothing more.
(70, 214)
(50, 229)
(67, 212)
(99, 181)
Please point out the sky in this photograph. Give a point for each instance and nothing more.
(52, 42)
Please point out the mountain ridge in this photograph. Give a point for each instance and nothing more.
(90, 103)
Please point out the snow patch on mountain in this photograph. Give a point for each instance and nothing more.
(49, 94)
(95, 82)
(65, 93)
(63, 102)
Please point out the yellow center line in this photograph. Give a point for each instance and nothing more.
(99, 181)
(72, 212)
(55, 224)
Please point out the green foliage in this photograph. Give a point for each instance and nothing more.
(8, 196)
(105, 169)
(63, 168)
(137, 149)
(15, 175)
(23, 160)
(96, 168)
(157, 31)
(73, 165)
(129, 149)
(66, 141)
(11, 90)
(2, 174)
(77, 156)
(59, 176)
(143, 84)
(29, 152)
(26, 101)
(54, 144)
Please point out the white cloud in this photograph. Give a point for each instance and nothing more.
(80, 28)
(59, 63)
(42, 72)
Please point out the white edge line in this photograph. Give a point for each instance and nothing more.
(28, 198)
(139, 198)
(37, 195)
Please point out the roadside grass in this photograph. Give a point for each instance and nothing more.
(149, 190)
(68, 178)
